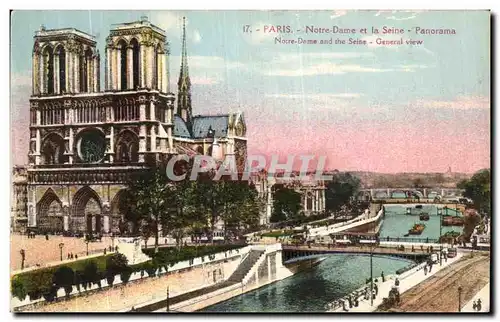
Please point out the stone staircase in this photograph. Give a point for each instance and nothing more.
(245, 266)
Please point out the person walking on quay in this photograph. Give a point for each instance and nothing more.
(425, 269)
(478, 306)
(375, 289)
(474, 306)
(383, 277)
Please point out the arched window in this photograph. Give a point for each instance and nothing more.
(156, 74)
(135, 63)
(49, 70)
(62, 70)
(123, 65)
(84, 71)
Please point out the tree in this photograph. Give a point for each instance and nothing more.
(64, 277)
(478, 189)
(242, 208)
(286, 205)
(148, 194)
(340, 190)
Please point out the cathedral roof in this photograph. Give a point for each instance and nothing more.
(202, 124)
(180, 128)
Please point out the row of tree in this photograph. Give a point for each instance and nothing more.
(478, 189)
(187, 207)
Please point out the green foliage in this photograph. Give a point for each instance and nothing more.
(478, 189)
(64, 277)
(340, 190)
(17, 288)
(125, 275)
(287, 204)
(116, 263)
(280, 233)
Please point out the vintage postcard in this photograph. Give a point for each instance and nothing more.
(250, 161)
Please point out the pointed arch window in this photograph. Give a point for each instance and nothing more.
(123, 65)
(62, 70)
(135, 63)
(49, 70)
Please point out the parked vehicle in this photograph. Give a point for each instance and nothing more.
(452, 252)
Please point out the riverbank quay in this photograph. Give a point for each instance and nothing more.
(185, 275)
(407, 280)
(266, 270)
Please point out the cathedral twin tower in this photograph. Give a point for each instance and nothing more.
(85, 144)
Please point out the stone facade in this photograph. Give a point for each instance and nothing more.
(85, 144)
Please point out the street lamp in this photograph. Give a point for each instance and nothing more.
(23, 256)
(87, 242)
(459, 299)
(112, 240)
(440, 213)
(371, 273)
(61, 246)
(168, 299)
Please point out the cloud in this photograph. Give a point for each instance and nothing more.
(172, 23)
(401, 18)
(325, 68)
(321, 97)
(338, 13)
(204, 80)
(460, 103)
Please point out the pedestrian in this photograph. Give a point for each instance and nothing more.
(412, 248)
(375, 288)
(76, 256)
(46, 236)
(69, 256)
(474, 306)
(383, 277)
(425, 269)
(478, 305)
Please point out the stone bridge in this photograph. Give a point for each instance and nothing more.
(430, 193)
(292, 252)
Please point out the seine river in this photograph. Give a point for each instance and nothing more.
(311, 290)
(338, 275)
(397, 223)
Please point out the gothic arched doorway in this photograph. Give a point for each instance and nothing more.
(86, 214)
(49, 213)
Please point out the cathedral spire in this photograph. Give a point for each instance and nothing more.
(184, 109)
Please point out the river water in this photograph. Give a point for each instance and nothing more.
(311, 290)
(397, 223)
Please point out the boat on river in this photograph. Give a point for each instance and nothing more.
(424, 216)
(417, 229)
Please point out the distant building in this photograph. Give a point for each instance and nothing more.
(19, 199)
(312, 192)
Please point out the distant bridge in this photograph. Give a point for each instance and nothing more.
(424, 193)
(291, 252)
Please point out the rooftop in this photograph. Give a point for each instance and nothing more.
(144, 22)
(63, 31)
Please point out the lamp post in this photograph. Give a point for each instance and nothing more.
(112, 241)
(459, 299)
(87, 243)
(61, 246)
(371, 274)
(440, 213)
(168, 299)
(23, 257)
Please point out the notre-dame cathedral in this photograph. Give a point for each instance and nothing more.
(85, 143)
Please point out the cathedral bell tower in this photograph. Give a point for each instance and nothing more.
(136, 57)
